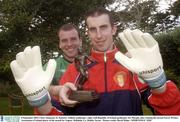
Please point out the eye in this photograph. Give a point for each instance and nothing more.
(64, 40)
(92, 30)
(103, 27)
(73, 39)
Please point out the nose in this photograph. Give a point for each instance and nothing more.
(99, 35)
(69, 43)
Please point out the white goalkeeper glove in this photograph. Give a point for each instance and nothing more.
(145, 57)
(30, 76)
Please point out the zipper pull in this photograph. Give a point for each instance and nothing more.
(105, 58)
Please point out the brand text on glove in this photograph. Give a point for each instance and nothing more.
(150, 71)
(35, 93)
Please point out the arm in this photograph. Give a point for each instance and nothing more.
(167, 102)
(32, 79)
(146, 62)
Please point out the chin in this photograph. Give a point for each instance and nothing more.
(71, 56)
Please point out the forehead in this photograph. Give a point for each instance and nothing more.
(98, 20)
(68, 33)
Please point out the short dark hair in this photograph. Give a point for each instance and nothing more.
(97, 12)
(67, 27)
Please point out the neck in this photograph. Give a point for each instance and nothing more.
(109, 48)
(69, 59)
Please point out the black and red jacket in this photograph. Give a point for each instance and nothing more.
(121, 93)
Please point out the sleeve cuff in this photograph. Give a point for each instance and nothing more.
(168, 102)
(53, 111)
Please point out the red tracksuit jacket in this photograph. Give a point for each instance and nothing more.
(121, 93)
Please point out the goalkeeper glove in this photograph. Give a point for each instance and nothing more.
(145, 58)
(31, 78)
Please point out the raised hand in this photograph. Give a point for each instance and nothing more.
(30, 76)
(145, 58)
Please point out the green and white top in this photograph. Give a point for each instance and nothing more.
(61, 67)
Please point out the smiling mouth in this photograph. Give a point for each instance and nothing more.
(70, 49)
(100, 43)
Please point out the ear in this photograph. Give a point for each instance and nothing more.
(59, 44)
(114, 29)
(87, 31)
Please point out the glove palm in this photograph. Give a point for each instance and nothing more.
(30, 76)
(145, 58)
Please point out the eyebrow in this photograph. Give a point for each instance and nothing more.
(105, 25)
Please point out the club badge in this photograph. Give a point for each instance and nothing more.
(119, 78)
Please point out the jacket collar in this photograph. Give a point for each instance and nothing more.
(99, 56)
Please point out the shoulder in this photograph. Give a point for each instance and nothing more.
(59, 58)
(72, 66)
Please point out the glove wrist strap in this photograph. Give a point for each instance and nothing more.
(40, 101)
(157, 81)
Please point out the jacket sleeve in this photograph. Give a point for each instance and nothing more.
(53, 111)
(168, 102)
(70, 75)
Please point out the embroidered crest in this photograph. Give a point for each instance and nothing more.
(119, 78)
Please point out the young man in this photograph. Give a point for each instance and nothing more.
(121, 90)
(69, 43)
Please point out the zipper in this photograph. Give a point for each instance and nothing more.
(105, 71)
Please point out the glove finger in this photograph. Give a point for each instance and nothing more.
(17, 71)
(150, 41)
(50, 69)
(124, 60)
(130, 38)
(21, 60)
(137, 35)
(36, 56)
(28, 55)
(125, 42)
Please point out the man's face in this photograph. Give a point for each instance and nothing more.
(69, 43)
(101, 32)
